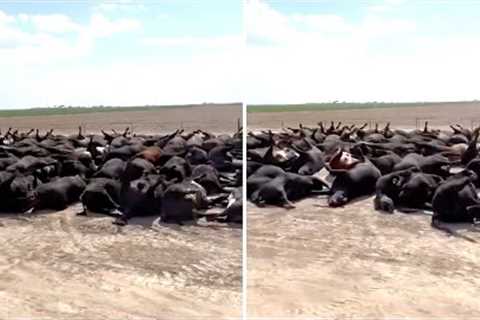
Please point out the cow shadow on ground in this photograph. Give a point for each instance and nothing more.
(156, 223)
(148, 222)
(324, 197)
(19, 217)
(462, 227)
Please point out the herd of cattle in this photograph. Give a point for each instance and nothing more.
(436, 171)
(179, 176)
(184, 176)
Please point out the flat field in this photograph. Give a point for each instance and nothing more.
(213, 117)
(400, 115)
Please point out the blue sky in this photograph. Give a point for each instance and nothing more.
(162, 52)
(119, 53)
(386, 50)
(434, 16)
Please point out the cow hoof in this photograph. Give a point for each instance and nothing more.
(211, 218)
(289, 206)
(476, 226)
(260, 204)
(29, 211)
(120, 222)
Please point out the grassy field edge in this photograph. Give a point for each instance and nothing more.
(5, 113)
(257, 108)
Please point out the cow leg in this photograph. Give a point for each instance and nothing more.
(474, 212)
(195, 215)
(113, 212)
(109, 206)
(84, 212)
(338, 199)
(29, 211)
(255, 198)
(384, 203)
(121, 221)
(287, 204)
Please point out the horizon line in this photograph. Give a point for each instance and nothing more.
(179, 105)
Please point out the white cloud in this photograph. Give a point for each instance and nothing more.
(376, 26)
(380, 8)
(395, 2)
(45, 44)
(386, 6)
(5, 18)
(264, 23)
(23, 17)
(209, 77)
(120, 5)
(41, 67)
(323, 22)
(52, 23)
(220, 42)
(295, 58)
(102, 26)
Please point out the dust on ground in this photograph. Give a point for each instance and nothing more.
(63, 266)
(355, 262)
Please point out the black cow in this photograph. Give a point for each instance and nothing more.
(60, 193)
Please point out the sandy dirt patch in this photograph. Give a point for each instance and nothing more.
(63, 266)
(355, 262)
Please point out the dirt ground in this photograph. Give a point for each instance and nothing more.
(314, 261)
(63, 266)
(441, 115)
(216, 118)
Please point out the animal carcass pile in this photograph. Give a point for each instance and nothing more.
(435, 171)
(179, 176)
